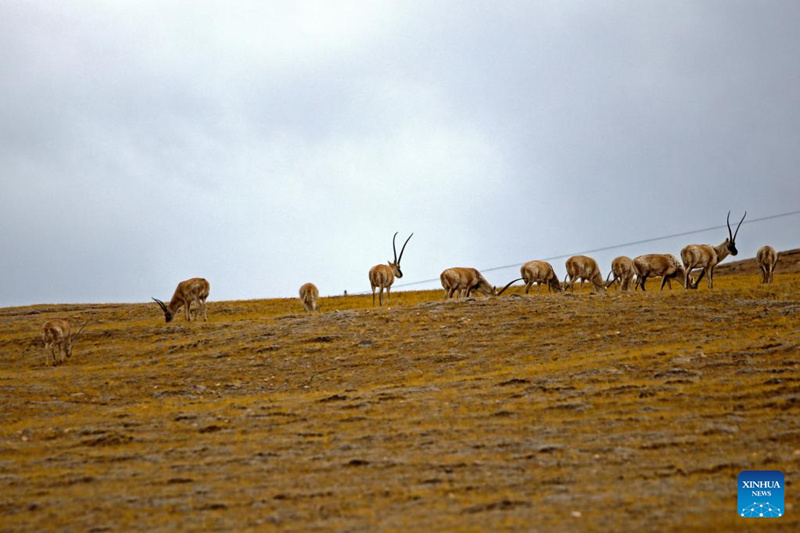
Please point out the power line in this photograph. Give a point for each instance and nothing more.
(613, 247)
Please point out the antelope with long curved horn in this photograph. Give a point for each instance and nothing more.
(707, 257)
(382, 276)
(767, 258)
(653, 265)
(539, 272)
(194, 290)
(585, 268)
(464, 280)
(623, 270)
(59, 339)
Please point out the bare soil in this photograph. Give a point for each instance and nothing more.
(527, 412)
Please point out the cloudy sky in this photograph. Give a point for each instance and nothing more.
(266, 144)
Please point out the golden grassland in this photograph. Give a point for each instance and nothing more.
(540, 412)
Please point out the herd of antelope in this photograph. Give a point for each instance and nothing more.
(460, 281)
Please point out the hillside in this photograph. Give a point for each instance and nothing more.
(788, 263)
(553, 412)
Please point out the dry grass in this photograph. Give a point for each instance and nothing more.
(633, 410)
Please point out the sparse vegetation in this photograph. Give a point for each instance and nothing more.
(551, 411)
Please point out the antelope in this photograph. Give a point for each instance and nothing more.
(767, 257)
(623, 270)
(665, 265)
(466, 280)
(194, 290)
(309, 295)
(707, 257)
(58, 339)
(539, 272)
(581, 266)
(382, 276)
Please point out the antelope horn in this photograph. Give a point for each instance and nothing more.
(507, 286)
(161, 305)
(730, 233)
(394, 249)
(737, 227)
(81, 329)
(403, 249)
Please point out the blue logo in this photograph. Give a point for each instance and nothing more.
(761, 494)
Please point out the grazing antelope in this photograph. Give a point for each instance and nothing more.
(194, 290)
(465, 280)
(539, 272)
(382, 276)
(767, 257)
(585, 268)
(309, 295)
(58, 339)
(707, 257)
(623, 270)
(652, 265)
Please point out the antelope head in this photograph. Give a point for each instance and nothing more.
(555, 284)
(730, 242)
(168, 315)
(395, 265)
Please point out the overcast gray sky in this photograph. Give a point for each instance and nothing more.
(266, 144)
